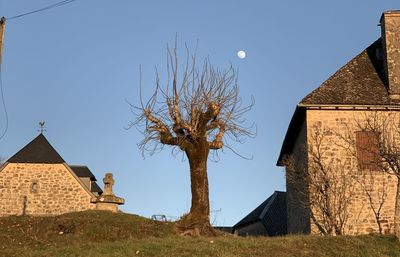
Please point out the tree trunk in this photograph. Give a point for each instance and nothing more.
(200, 209)
(197, 221)
(397, 211)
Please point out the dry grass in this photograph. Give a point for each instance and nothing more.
(101, 234)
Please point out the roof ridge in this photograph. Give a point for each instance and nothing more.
(251, 217)
(264, 211)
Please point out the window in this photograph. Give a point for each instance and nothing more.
(34, 187)
(367, 146)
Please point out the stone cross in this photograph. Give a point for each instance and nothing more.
(108, 184)
(107, 200)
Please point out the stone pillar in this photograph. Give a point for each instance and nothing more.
(107, 200)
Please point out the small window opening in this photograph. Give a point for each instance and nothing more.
(34, 187)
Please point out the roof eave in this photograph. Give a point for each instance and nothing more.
(351, 106)
(299, 115)
(292, 132)
(3, 165)
(78, 179)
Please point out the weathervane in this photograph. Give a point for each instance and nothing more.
(42, 128)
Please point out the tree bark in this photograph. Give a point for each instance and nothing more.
(197, 221)
(200, 209)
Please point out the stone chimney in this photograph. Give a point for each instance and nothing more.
(390, 25)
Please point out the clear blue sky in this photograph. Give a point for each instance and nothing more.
(75, 66)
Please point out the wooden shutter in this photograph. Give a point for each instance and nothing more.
(367, 147)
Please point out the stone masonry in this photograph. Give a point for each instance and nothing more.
(390, 24)
(41, 189)
(369, 84)
(361, 218)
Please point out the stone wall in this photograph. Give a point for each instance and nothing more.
(41, 189)
(298, 220)
(367, 187)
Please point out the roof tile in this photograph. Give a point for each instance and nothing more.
(360, 82)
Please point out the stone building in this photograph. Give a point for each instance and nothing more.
(366, 89)
(37, 181)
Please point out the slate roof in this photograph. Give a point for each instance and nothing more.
(95, 188)
(272, 213)
(82, 171)
(362, 81)
(38, 150)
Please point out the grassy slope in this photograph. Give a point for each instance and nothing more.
(105, 234)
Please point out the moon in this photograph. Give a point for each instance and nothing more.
(241, 54)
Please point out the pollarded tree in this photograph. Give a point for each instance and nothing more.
(193, 112)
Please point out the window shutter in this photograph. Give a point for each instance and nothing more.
(367, 147)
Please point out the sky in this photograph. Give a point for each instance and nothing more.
(76, 67)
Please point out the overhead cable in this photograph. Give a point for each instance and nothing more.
(58, 4)
(64, 2)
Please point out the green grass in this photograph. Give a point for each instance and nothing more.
(101, 234)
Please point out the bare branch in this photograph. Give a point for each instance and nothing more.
(323, 185)
(204, 105)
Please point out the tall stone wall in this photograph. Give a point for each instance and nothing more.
(298, 218)
(41, 189)
(367, 190)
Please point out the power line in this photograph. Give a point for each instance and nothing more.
(64, 2)
(58, 4)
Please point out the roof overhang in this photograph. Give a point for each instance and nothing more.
(300, 114)
(350, 107)
(292, 133)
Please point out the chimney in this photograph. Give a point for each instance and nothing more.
(390, 25)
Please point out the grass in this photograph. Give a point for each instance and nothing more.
(99, 234)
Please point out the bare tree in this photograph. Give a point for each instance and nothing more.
(376, 193)
(358, 159)
(322, 185)
(193, 112)
(378, 155)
